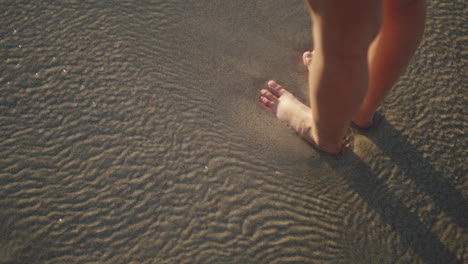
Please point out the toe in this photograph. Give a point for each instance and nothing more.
(275, 88)
(266, 107)
(268, 95)
(267, 103)
(307, 57)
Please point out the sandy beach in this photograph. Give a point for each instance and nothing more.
(132, 133)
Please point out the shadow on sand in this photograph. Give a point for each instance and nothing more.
(391, 209)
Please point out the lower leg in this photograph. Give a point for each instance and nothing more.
(396, 43)
(337, 87)
(336, 91)
(338, 73)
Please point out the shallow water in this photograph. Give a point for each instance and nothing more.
(131, 133)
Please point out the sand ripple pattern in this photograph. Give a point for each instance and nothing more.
(130, 134)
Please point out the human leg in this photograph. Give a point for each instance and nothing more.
(338, 76)
(338, 73)
(389, 54)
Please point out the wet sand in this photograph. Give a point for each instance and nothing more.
(132, 133)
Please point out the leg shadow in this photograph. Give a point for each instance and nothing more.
(417, 168)
(391, 209)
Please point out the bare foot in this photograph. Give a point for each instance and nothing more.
(362, 122)
(307, 58)
(293, 113)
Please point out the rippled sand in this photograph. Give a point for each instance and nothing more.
(131, 133)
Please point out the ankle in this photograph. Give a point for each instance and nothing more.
(363, 121)
(332, 148)
(329, 146)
